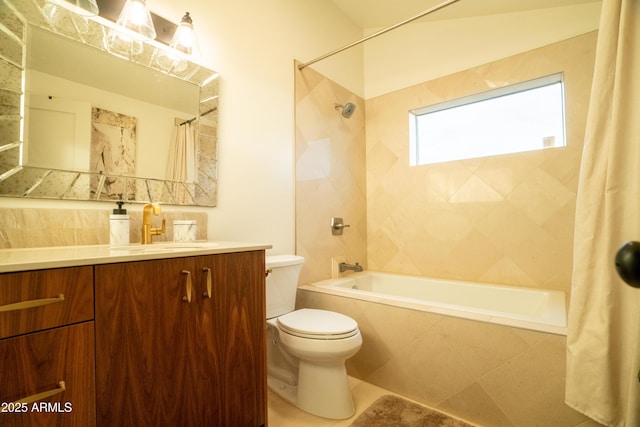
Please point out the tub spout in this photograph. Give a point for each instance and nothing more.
(343, 266)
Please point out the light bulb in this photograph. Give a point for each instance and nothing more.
(184, 40)
(133, 25)
(183, 46)
(136, 18)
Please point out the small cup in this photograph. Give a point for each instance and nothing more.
(185, 230)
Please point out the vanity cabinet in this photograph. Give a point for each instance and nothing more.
(47, 348)
(181, 341)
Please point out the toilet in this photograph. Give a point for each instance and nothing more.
(307, 348)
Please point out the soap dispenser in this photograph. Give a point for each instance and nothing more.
(119, 226)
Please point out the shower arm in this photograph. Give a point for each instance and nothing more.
(378, 33)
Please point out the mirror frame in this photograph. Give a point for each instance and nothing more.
(18, 180)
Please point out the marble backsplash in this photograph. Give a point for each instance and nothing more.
(29, 228)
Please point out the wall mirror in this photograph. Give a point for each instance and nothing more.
(78, 122)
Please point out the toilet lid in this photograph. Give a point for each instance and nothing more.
(318, 324)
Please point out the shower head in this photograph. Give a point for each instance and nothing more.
(347, 109)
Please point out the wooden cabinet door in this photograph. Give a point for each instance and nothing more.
(146, 363)
(59, 364)
(163, 361)
(232, 331)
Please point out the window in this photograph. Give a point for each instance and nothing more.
(521, 117)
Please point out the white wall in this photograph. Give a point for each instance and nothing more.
(424, 51)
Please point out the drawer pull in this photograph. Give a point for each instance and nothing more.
(39, 396)
(207, 293)
(189, 286)
(31, 303)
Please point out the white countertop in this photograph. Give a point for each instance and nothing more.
(24, 259)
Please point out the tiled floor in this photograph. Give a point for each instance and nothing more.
(283, 414)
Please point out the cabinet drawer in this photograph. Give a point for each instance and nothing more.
(47, 378)
(36, 300)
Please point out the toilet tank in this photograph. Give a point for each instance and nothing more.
(282, 283)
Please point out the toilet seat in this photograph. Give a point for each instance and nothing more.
(317, 324)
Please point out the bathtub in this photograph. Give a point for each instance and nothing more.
(455, 346)
(535, 309)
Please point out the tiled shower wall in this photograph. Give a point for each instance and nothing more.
(504, 219)
(330, 175)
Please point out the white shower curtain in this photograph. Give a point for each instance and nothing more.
(181, 165)
(603, 340)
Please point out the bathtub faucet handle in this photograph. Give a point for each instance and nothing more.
(337, 226)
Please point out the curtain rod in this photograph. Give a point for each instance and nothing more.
(376, 34)
(201, 115)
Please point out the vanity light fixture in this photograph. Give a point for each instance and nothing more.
(80, 7)
(183, 46)
(133, 25)
(136, 19)
(184, 40)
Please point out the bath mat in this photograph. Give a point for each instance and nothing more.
(392, 411)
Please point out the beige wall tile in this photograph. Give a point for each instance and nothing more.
(536, 381)
(488, 374)
(503, 219)
(330, 175)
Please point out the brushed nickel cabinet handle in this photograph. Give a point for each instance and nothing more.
(189, 286)
(31, 303)
(207, 293)
(39, 396)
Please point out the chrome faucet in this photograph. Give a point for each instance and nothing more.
(148, 211)
(343, 266)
